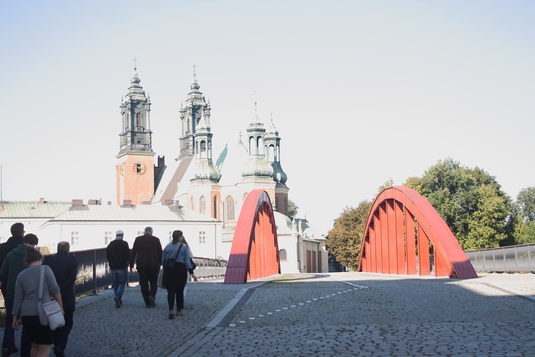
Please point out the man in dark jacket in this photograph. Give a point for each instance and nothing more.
(118, 255)
(17, 232)
(65, 268)
(12, 266)
(147, 254)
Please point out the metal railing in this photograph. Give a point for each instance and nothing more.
(516, 258)
(94, 273)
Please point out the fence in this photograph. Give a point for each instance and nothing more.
(517, 259)
(94, 273)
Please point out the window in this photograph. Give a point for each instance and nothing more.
(202, 237)
(138, 119)
(283, 255)
(229, 207)
(140, 233)
(202, 205)
(108, 237)
(191, 204)
(215, 207)
(138, 167)
(74, 238)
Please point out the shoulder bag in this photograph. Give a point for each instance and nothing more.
(169, 263)
(50, 312)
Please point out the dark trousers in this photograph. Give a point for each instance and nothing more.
(9, 333)
(176, 292)
(61, 334)
(4, 294)
(148, 278)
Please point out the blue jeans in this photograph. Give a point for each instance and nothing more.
(119, 277)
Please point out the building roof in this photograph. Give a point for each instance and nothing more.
(146, 213)
(33, 209)
(172, 176)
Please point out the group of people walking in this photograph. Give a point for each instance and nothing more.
(148, 256)
(19, 276)
(20, 265)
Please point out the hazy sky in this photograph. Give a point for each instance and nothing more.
(360, 91)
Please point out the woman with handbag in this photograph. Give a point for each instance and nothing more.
(26, 297)
(176, 264)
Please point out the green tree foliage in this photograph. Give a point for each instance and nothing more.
(526, 203)
(292, 209)
(345, 238)
(387, 184)
(524, 216)
(469, 200)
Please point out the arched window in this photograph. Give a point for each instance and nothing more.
(252, 146)
(215, 207)
(138, 120)
(191, 204)
(203, 150)
(271, 154)
(283, 255)
(202, 205)
(229, 207)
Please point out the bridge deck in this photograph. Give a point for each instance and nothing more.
(336, 314)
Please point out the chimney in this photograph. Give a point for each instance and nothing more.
(109, 203)
(167, 202)
(77, 203)
(42, 200)
(127, 203)
(177, 203)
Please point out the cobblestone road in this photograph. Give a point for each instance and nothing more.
(341, 314)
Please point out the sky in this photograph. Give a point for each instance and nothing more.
(361, 92)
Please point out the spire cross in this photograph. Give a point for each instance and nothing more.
(194, 74)
(135, 66)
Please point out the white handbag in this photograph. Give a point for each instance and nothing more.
(50, 312)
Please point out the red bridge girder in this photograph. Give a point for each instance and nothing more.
(401, 232)
(254, 253)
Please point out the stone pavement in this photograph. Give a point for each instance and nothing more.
(334, 314)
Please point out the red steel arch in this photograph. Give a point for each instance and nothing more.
(402, 230)
(254, 251)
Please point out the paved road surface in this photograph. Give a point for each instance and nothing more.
(335, 314)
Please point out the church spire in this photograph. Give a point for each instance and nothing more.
(203, 155)
(135, 111)
(194, 108)
(256, 168)
(279, 176)
(135, 167)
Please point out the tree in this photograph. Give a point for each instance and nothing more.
(526, 202)
(345, 238)
(292, 209)
(470, 201)
(524, 217)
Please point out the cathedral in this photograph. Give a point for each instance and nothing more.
(199, 191)
(211, 183)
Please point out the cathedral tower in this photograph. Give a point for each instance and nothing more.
(191, 113)
(204, 188)
(279, 176)
(257, 173)
(135, 167)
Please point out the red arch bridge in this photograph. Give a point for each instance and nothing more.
(403, 231)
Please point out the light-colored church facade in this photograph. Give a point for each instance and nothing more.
(196, 193)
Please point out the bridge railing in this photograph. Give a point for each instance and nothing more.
(516, 259)
(94, 273)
